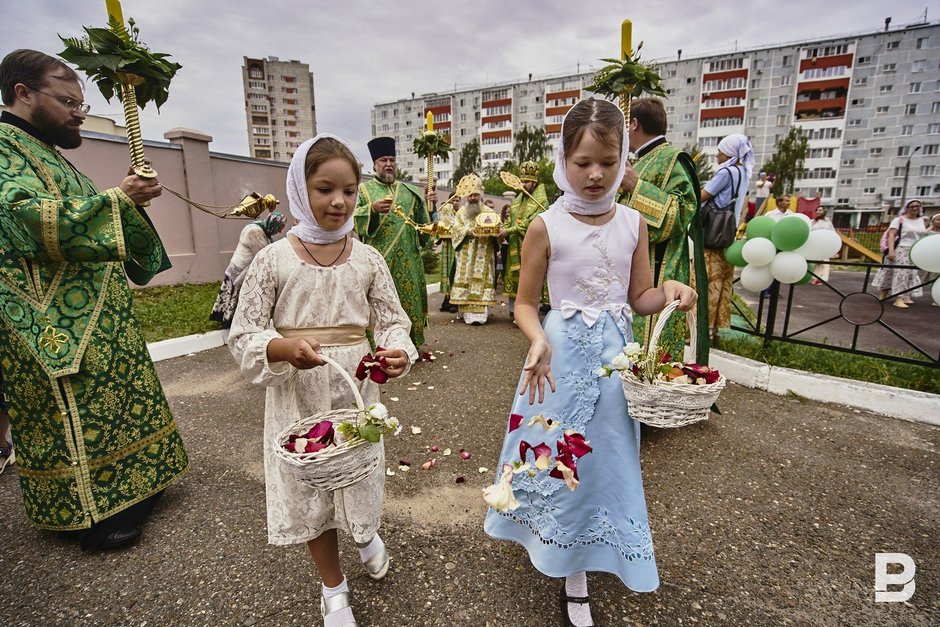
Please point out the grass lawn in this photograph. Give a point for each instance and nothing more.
(174, 311)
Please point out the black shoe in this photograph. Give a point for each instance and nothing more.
(121, 538)
(453, 309)
(564, 600)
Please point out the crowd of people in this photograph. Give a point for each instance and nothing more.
(96, 443)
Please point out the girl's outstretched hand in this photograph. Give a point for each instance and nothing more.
(537, 371)
(397, 361)
(674, 290)
(302, 353)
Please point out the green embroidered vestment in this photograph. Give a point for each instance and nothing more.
(521, 214)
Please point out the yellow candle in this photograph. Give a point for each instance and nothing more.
(114, 10)
(626, 39)
(430, 121)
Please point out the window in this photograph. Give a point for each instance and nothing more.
(868, 191)
(861, 81)
(864, 60)
(856, 122)
(885, 89)
(921, 43)
(857, 102)
(289, 79)
(878, 130)
(754, 102)
(781, 120)
(783, 100)
(881, 109)
(935, 107)
(903, 151)
(688, 116)
(907, 129)
(842, 201)
(785, 80)
(928, 170)
(874, 152)
(915, 88)
(754, 83)
(871, 171)
(256, 84)
(892, 45)
(845, 181)
(922, 190)
(895, 192)
(848, 162)
(851, 142)
(889, 67)
(690, 81)
(931, 149)
(787, 60)
(910, 109)
(689, 99)
(919, 66)
(933, 129)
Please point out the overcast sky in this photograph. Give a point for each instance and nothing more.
(362, 52)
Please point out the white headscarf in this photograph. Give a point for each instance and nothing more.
(308, 229)
(739, 148)
(571, 200)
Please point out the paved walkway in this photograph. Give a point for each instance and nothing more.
(768, 515)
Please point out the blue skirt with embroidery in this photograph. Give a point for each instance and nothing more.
(602, 525)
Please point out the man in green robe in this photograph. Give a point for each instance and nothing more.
(474, 287)
(380, 224)
(95, 441)
(663, 187)
(521, 213)
(444, 230)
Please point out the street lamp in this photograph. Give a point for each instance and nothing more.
(907, 169)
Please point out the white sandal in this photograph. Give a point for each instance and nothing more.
(336, 611)
(377, 565)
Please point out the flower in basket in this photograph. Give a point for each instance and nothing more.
(658, 368)
(372, 424)
(701, 374)
(371, 367)
(317, 438)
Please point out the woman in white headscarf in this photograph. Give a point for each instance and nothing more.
(314, 293)
(729, 183)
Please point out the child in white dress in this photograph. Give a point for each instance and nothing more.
(316, 292)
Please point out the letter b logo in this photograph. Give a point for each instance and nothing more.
(904, 578)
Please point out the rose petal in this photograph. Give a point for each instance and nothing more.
(404, 468)
(415, 430)
(430, 387)
(404, 462)
(313, 447)
(459, 479)
(576, 444)
(483, 470)
(515, 421)
(389, 472)
(446, 452)
(428, 465)
(464, 454)
(393, 398)
(435, 448)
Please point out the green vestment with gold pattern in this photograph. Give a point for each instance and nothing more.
(399, 244)
(475, 276)
(667, 197)
(93, 430)
(521, 214)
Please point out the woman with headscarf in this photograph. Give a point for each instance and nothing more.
(253, 238)
(735, 166)
(902, 233)
(311, 295)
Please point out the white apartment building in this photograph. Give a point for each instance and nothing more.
(869, 104)
(279, 106)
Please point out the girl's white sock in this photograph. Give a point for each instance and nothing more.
(576, 586)
(368, 551)
(332, 592)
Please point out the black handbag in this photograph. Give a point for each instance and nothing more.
(718, 224)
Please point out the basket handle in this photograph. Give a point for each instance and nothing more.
(355, 390)
(658, 329)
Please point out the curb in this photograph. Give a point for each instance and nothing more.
(189, 344)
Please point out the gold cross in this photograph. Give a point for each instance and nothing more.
(53, 340)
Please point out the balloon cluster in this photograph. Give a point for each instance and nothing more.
(779, 250)
(925, 254)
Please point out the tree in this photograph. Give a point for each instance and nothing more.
(531, 144)
(787, 163)
(703, 169)
(469, 160)
(403, 175)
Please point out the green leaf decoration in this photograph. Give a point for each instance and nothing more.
(432, 144)
(102, 55)
(612, 80)
(370, 432)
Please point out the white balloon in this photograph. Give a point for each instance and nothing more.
(820, 245)
(756, 278)
(935, 291)
(831, 243)
(759, 251)
(925, 254)
(788, 267)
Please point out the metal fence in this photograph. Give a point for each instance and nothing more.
(775, 318)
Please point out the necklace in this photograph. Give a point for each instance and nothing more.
(332, 263)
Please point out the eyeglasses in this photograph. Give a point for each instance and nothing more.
(71, 104)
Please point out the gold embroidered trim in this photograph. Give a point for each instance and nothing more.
(82, 476)
(116, 194)
(49, 220)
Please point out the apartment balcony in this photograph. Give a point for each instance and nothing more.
(820, 108)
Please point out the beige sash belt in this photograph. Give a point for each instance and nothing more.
(345, 335)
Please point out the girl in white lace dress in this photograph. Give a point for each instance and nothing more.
(316, 292)
(594, 255)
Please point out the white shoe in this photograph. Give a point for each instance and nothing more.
(336, 611)
(377, 565)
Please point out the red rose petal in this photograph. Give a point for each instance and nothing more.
(515, 420)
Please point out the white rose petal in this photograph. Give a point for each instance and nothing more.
(300, 444)
(483, 470)
(389, 472)
(415, 430)
(620, 362)
(379, 411)
(393, 398)
(446, 452)
(404, 468)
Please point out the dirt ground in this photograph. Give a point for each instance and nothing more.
(770, 514)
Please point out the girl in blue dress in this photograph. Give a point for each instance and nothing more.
(595, 256)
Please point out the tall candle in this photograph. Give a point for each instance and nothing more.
(114, 10)
(626, 39)
(430, 121)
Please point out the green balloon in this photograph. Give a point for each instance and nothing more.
(789, 233)
(733, 254)
(806, 278)
(761, 226)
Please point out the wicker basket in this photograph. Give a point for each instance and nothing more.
(664, 404)
(337, 466)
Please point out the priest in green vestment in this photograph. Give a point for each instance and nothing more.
(521, 213)
(95, 440)
(444, 230)
(474, 287)
(380, 225)
(663, 187)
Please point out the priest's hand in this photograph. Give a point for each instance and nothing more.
(397, 361)
(383, 205)
(302, 353)
(503, 234)
(432, 197)
(630, 179)
(141, 190)
(537, 371)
